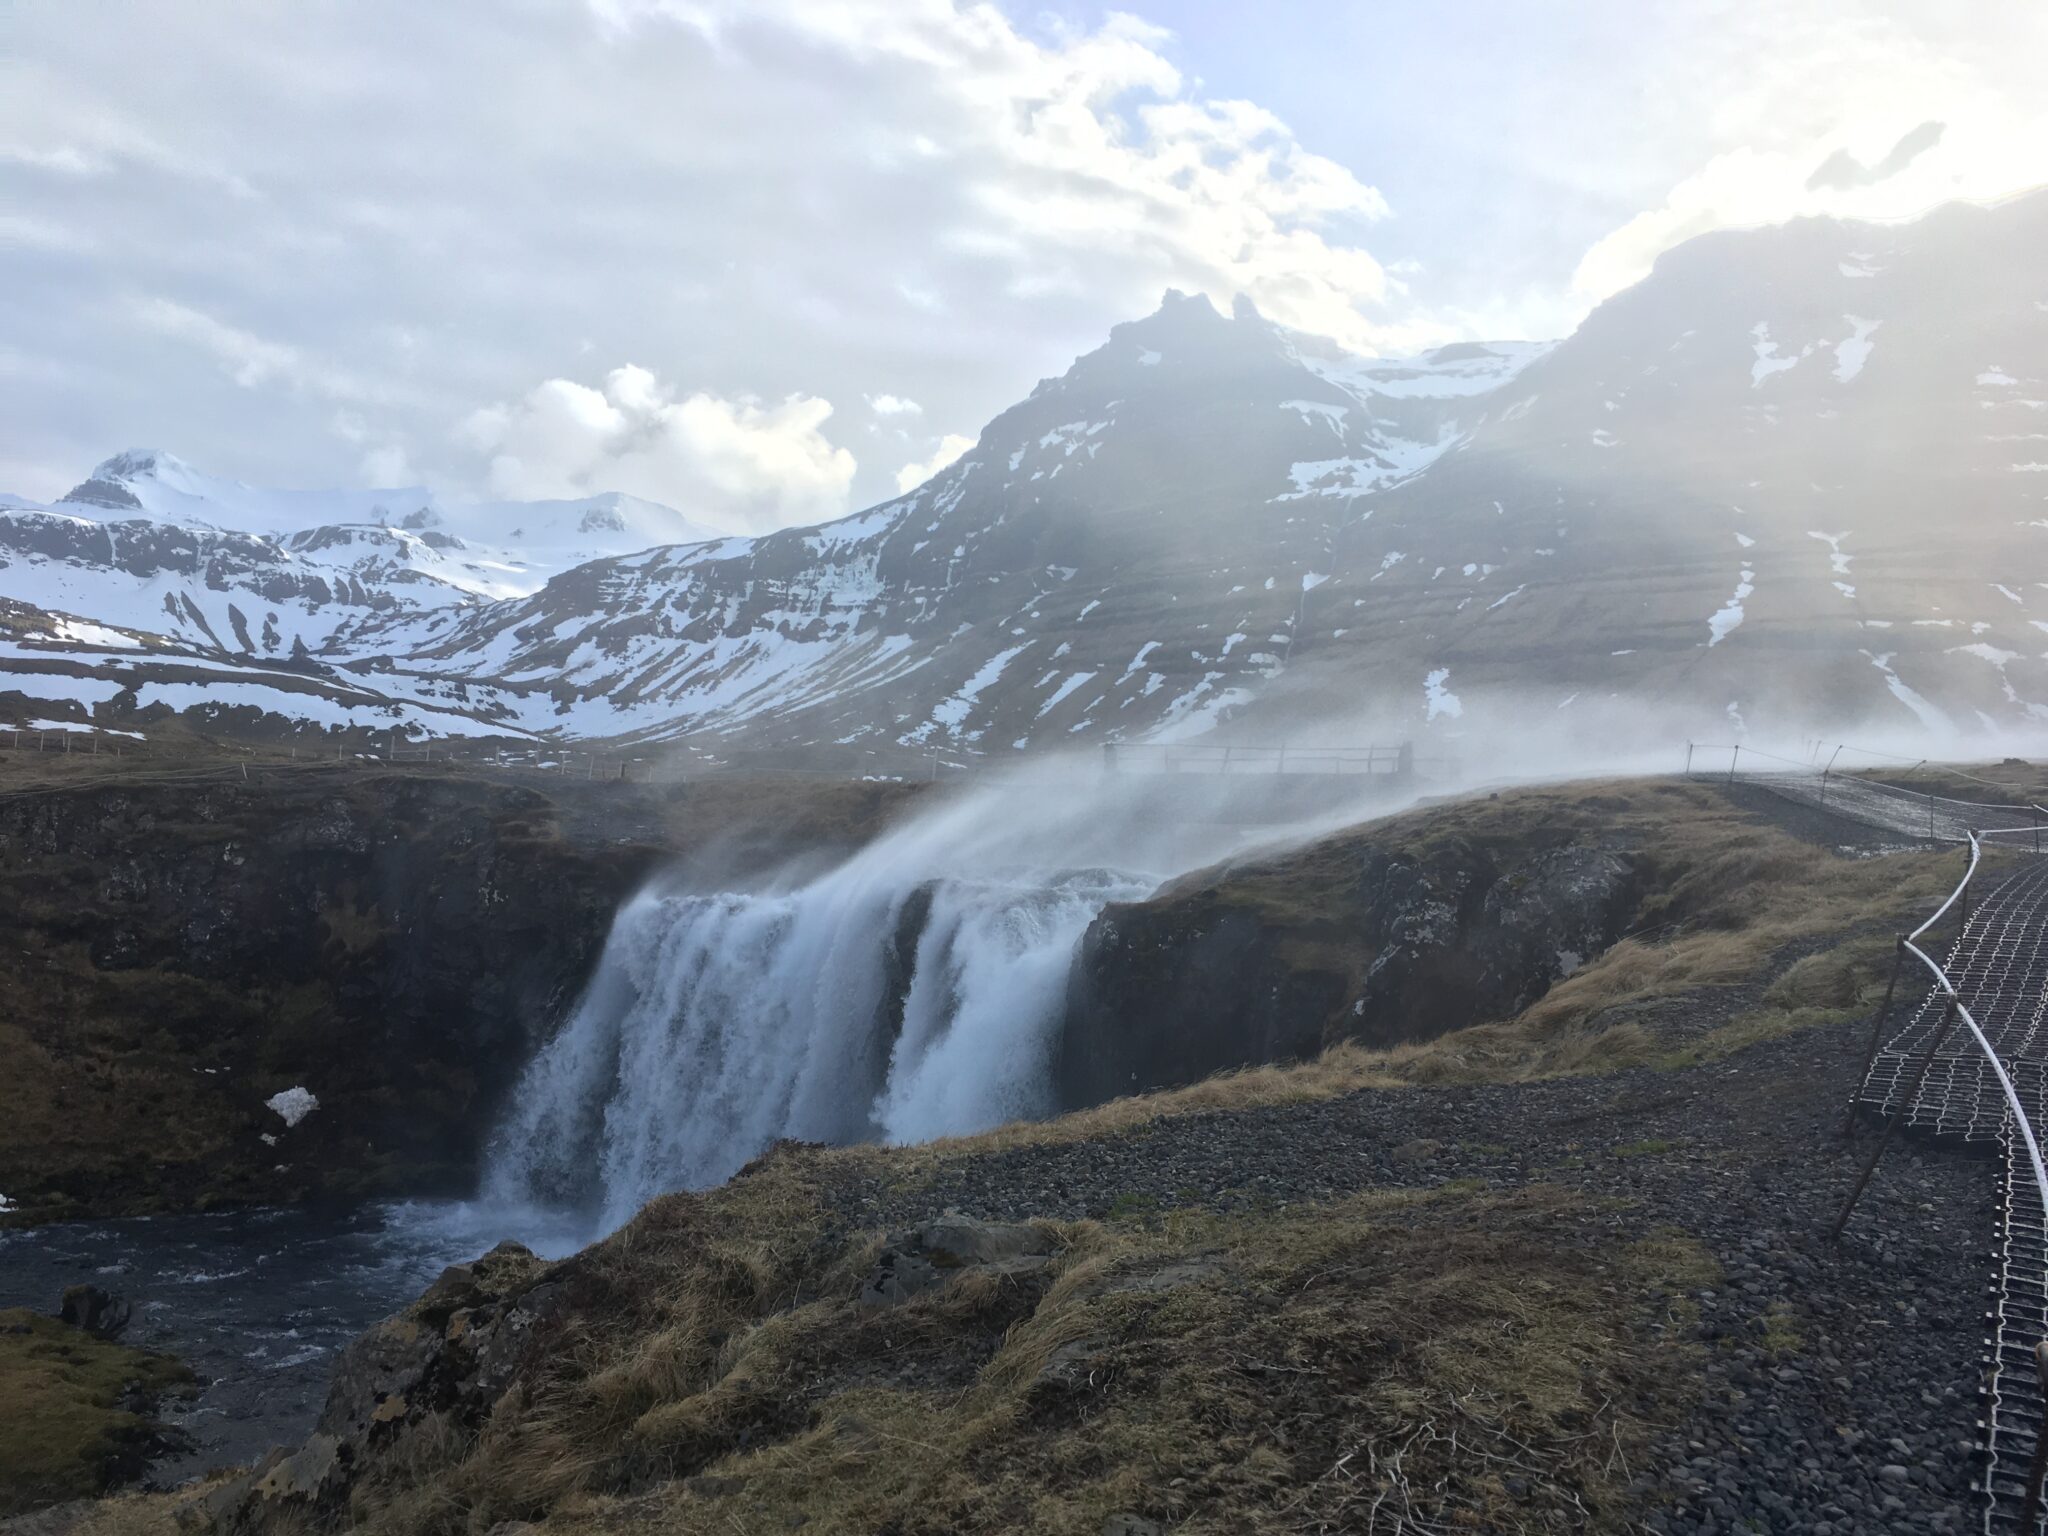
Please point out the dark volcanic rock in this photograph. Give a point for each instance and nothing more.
(1269, 963)
(398, 944)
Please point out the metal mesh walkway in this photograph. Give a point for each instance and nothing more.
(1945, 1080)
(1921, 817)
(1999, 967)
(2013, 1410)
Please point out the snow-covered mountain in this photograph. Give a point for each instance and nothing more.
(1797, 473)
(489, 549)
(148, 555)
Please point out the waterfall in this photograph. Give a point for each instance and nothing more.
(873, 1002)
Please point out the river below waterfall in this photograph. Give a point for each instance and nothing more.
(259, 1303)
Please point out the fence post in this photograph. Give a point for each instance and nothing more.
(1876, 1033)
(1688, 759)
(1734, 753)
(1910, 1093)
(1930, 818)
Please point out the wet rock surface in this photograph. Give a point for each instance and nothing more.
(447, 1357)
(926, 1257)
(1275, 961)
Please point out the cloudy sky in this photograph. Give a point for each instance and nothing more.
(768, 260)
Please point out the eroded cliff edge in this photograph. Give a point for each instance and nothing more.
(396, 942)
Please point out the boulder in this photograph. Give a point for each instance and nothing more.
(97, 1312)
(447, 1358)
(924, 1258)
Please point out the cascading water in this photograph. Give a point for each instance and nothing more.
(873, 1002)
(916, 990)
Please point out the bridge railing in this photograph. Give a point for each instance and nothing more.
(1397, 761)
(1919, 813)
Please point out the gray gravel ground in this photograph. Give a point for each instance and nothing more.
(1868, 1424)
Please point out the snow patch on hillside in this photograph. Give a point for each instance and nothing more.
(1851, 355)
(953, 712)
(1729, 619)
(1437, 698)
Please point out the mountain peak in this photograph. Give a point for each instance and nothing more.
(112, 481)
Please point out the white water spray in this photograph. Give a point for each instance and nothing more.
(875, 1002)
(917, 990)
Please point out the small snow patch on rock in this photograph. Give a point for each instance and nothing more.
(293, 1104)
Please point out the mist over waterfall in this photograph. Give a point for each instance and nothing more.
(857, 1007)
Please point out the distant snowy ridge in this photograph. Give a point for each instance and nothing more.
(1207, 521)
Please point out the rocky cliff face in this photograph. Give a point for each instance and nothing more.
(1372, 936)
(396, 945)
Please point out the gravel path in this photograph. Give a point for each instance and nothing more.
(1868, 1424)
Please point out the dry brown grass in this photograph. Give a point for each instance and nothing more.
(718, 1377)
(1734, 895)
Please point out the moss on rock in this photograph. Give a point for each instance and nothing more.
(75, 1410)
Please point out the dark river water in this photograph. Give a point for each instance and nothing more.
(258, 1303)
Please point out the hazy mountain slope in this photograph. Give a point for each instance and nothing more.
(505, 547)
(1795, 476)
(1126, 550)
(1797, 470)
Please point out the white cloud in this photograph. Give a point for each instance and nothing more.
(1085, 159)
(1860, 112)
(819, 198)
(30, 232)
(737, 463)
(894, 405)
(387, 467)
(951, 446)
(255, 362)
(249, 359)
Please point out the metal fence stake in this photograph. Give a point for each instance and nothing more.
(1876, 1033)
(1906, 1098)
